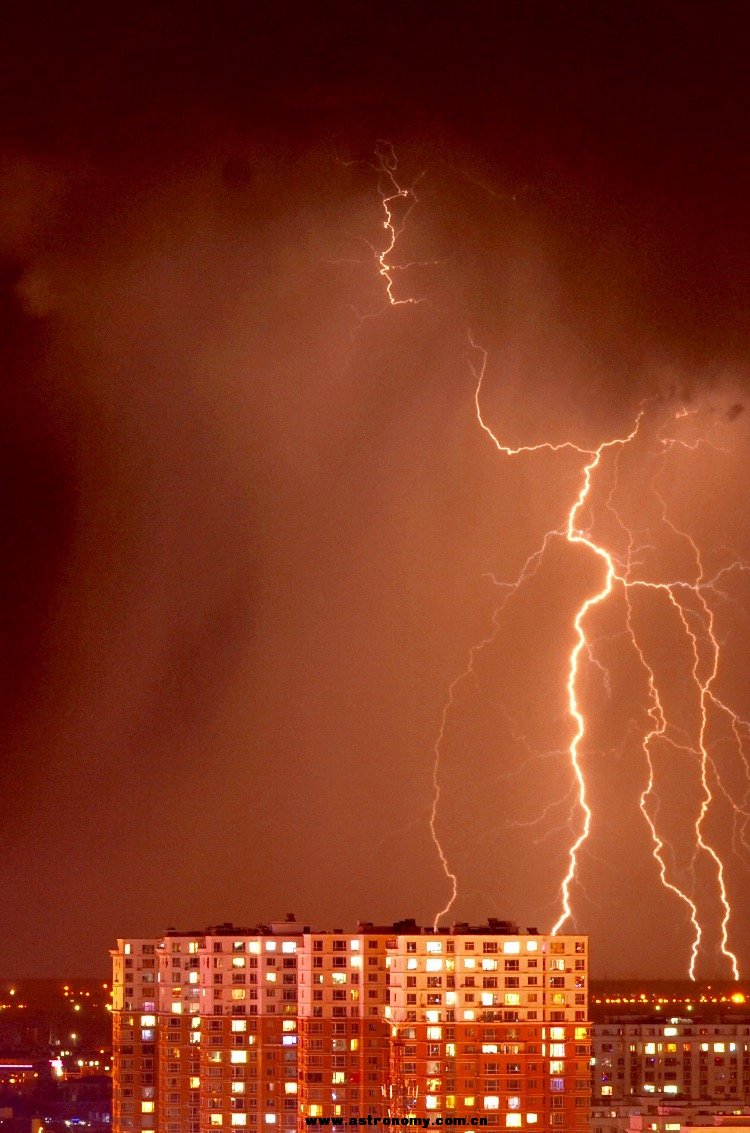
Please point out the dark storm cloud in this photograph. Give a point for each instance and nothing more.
(246, 532)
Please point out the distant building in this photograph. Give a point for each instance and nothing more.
(274, 1026)
(673, 1057)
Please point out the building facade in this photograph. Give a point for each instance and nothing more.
(674, 1057)
(279, 1026)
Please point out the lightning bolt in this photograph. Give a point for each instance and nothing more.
(624, 576)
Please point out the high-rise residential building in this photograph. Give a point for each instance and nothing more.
(278, 1026)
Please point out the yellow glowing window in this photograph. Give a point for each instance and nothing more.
(512, 999)
(556, 1067)
(147, 1107)
(469, 1101)
(355, 961)
(193, 977)
(558, 1033)
(270, 1119)
(238, 1087)
(239, 1025)
(271, 977)
(216, 1119)
(237, 1056)
(491, 1101)
(431, 1102)
(194, 1083)
(450, 1101)
(289, 946)
(148, 1020)
(412, 963)
(354, 945)
(532, 1118)
(315, 1110)
(581, 1033)
(287, 1025)
(433, 964)
(532, 946)
(513, 1120)
(489, 1048)
(470, 962)
(193, 947)
(239, 1119)
(489, 965)
(338, 1078)
(353, 1044)
(511, 947)
(468, 1015)
(290, 1087)
(339, 977)
(254, 947)
(434, 1033)
(719, 1048)
(434, 946)
(238, 962)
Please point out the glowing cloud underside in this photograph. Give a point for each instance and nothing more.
(620, 579)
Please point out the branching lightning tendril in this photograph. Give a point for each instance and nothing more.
(622, 576)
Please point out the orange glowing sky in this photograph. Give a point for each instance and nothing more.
(288, 413)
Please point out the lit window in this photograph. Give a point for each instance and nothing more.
(559, 1033)
(511, 946)
(148, 1020)
(433, 965)
(289, 946)
(270, 1119)
(431, 1102)
(512, 999)
(271, 947)
(412, 963)
(469, 1101)
(290, 1087)
(147, 1107)
(238, 1056)
(470, 962)
(194, 1083)
(254, 947)
(514, 1102)
(512, 1120)
(354, 945)
(468, 1015)
(719, 1048)
(216, 1119)
(434, 1033)
(288, 1025)
(239, 1025)
(489, 1048)
(491, 1101)
(434, 946)
(532, 946)
(239, 1119)
(532, 1118)
(315, 1110)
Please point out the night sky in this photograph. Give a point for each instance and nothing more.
(252, 527)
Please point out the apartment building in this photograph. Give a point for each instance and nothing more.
(670, 1058)
(271, 1027)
